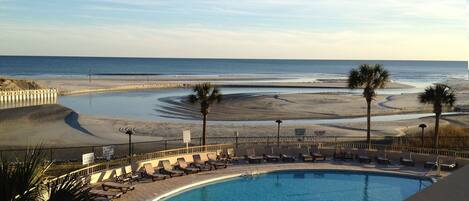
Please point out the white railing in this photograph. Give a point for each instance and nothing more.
(23, 98)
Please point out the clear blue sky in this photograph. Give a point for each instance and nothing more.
(334, 29)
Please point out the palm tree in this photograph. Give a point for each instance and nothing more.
(25, 180)
(22, 180)
(369, 78)
(439, 95)
(205, 94)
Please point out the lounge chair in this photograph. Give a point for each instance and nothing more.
(232, 155)
(212, 160)
(182, 165)
(338, 153)
(126, 175)
(348, 155)
(407, 161)
(305, 157)
(150, 172)
(106, 194)
(198, 163)
(223, 156)
(449, 164)
(316, 154)
(169, 170)
(121, 186)
(443, 165)
(271, 158)
(363, 157)
(383, 159)
(287, 158)
(432, 163)
(251, 157)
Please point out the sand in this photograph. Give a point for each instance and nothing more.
(75, 85)
(55, 125)
(298, 106)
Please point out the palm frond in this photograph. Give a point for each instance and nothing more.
(439, 95)
(369, 78)
(70, 188)
(23, 179)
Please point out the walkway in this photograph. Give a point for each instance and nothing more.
(147, 190)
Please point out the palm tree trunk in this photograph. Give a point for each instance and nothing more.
(368, 123)
(203, 130)
(437, 127)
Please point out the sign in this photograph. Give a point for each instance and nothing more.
(300, 131)
(320, 133)
(108, 151)
(186, 136)
(87, 158)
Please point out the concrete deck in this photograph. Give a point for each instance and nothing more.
(148, 190)
(453, 187)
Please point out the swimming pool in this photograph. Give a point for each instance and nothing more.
(308, 185)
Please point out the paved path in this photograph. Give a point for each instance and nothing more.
(148, 190)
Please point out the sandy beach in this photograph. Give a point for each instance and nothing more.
(55, 125)
(77, 85)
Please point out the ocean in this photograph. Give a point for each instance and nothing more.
(404, 71)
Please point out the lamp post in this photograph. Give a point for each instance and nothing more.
(236, 138)
(422, 126)
(278, 121)
(128, 131)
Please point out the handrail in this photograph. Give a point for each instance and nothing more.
(147, 156)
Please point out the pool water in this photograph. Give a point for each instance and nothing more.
(308, 186)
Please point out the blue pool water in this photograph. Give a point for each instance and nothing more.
(308, 185)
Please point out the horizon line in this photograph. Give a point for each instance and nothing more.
(233, 58)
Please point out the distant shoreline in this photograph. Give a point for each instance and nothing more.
(81, 85)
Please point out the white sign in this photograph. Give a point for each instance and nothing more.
(108, 151)
(186, 136)
(300, 131)
(87, 158)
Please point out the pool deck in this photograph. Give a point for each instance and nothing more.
(147, 190)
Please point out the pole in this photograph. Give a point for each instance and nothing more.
(423, 130)
(89, 76)
(278, 135)
(130, 148)
(278, 121)
(236, 138)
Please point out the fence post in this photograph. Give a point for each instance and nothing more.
(200, 141)
(165, 144)
(236, 138)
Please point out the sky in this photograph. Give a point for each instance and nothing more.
(293, 29)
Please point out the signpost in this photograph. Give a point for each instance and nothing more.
(186, 138)
(300, 134)
(87, 158)
(300, 131)
(108, 151)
